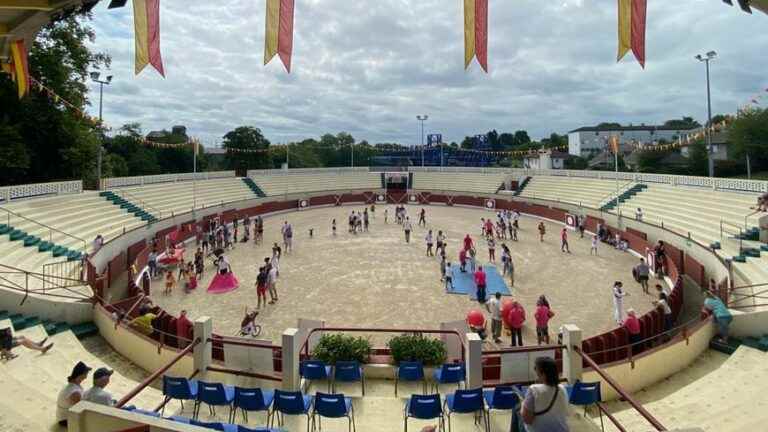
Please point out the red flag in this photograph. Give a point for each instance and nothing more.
(481, 33)
(285, 36)
(639, 12)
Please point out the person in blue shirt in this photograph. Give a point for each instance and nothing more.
(720, 311)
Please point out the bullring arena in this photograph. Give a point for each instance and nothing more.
(374, 285)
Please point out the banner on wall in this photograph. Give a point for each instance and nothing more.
(476, 32)
(146, 23)
(632, 17)
(279, 32)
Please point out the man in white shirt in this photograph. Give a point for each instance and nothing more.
(495, 305)
(97, 394)
(407, 227)
(272, 284)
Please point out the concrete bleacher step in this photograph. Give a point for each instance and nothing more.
(84, 330)
(725, 348)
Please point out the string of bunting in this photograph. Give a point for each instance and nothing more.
(685, 140)
(399, 150)
(93, 121)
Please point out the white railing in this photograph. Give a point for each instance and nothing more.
(114, 182)
(338, 170)
(9, 193)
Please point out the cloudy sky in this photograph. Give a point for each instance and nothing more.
(369, 67)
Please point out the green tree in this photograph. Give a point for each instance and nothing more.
(748, 135)
(14, 158)
(684, 123)
(522, 138)
(59, 143)
(697, 159)
(248, 149)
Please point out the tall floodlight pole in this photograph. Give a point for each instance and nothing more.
(422, 119)
(710, 151)
(95, 77)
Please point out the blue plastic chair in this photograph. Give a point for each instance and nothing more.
(290, 403)
(250, 399)
(348, 371)
(213, 395)
(466, 402)
(410, 371)
(586, 394)
(333, 406)
(424, 407)
(502, 398)
(178, 388)
(315, 370)
(209, 425)
(449, 373)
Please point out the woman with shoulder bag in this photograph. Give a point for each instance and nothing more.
(545, 407)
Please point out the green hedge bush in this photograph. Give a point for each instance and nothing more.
(410, 347)
(338, 347)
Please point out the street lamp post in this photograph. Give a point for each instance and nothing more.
(710, 152)
(422, 119)
(95, 77)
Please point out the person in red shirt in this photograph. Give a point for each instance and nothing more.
(514, 319)
(489, 227)
(184, 329)
(468, 243)
(632, 324)
(480, 282)
(463, 260)
(564, 241)
(543, 314)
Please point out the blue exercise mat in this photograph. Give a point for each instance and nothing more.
(464, 283)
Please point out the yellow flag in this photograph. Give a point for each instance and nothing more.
(272, 31)
(625, 28)
(469, 31)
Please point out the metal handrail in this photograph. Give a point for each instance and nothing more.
(147, 381)
(11, 285)
(50, 234)
(141, 202)
(525, 349)
(626, 396)
(610, 417)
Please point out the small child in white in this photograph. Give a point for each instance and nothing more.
(448, 276)
(594, 245)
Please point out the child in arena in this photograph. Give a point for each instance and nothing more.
(170, 282)
(542, 230)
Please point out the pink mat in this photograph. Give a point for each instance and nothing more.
(178, 255)
(223, 283)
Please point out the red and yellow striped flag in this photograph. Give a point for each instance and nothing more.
(613, 142)
(476, 32)
(632, 15)
(279, 32)
(20, 66)
(146, 23)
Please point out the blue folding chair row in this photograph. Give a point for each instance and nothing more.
(316, 370)
(314, 407)
(344, 371)
(475, 401)
(216, 394)
(218, 426)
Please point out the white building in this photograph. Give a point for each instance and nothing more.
(589, 140)
(545, 159)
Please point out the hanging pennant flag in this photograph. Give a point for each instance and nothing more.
(614, 143)
(476, 32)
(279, 32)
(21, 66)
(632, 19)
(146, 23)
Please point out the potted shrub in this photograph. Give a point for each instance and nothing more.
(411, 347)
(338, 347)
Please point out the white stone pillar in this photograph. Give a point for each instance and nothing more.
(572, 362)
(474, 361)
(202, 353)
(291, 347)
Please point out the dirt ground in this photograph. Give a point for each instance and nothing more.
(376, 279)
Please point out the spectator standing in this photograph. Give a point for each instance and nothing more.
(663, 304)
(491, 249)
(642, 271)
(632, 324)
(97, 394)
(480, 283)
(430, 241)
(515, 319)
(152, 262)
(542, 230)
(594, 245)
(495, 306)
(448, 276)
(543, 314)
(72, 393)
(184, 329)
(468, 244)
(407, 227)
(272, 284)
(564, 241)
(618, 302)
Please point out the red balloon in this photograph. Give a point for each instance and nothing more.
(475, 318)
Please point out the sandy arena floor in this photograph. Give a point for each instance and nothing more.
(375, 279)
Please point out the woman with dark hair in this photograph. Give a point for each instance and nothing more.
(545, 407)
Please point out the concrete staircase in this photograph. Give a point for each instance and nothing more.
(128, 206)
(254, 187)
